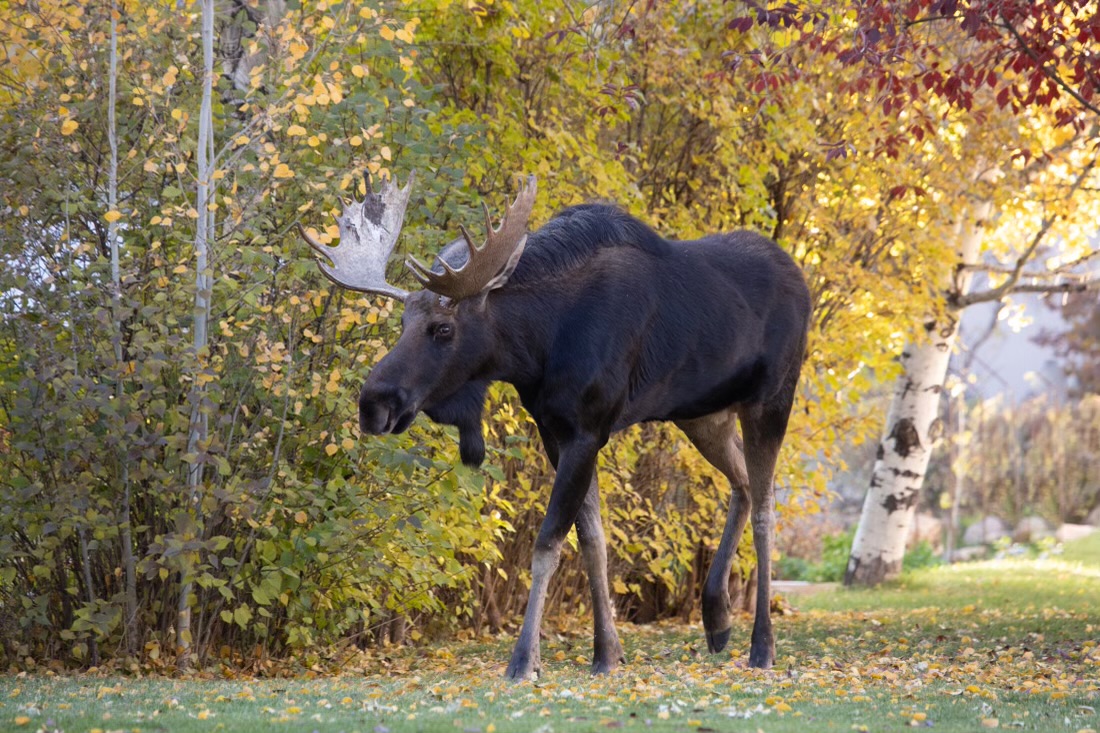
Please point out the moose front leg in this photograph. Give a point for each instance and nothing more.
(576, 467)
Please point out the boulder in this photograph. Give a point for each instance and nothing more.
(968, 554)
(1071, 532)
(1032, 528)
(925, 528)
(985, 531)
(1094, 517)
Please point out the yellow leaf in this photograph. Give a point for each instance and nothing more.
(150, 166)
(358, 71)
(387, 33)
(177, 114)
(301, 517)
(22, 720)
(283, 171)
(347, 443)
(387, 154)
(112, 215)
(295, 130)
(68, 127)
(404, 35)
(331, 449)
(355, 141)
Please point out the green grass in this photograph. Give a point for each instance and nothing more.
(1085, 551)
(1017, 642)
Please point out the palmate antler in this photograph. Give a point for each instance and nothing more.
(368, 234)
(369, 231)
(488, 266)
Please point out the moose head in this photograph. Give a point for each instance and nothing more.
(444, 342)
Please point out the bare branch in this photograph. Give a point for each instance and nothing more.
(1065, 270)
(1012, 282)
(997, 294)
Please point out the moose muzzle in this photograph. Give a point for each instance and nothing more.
(385, 409)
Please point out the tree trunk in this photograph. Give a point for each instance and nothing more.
(198, 432)
(129, 623)
(912, 428)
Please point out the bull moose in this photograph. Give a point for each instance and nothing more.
(599, 323)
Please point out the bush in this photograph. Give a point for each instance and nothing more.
(830, 569)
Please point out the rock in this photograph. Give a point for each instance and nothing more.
(1071, 532)
(985, 531)
(1031, 528)
(1094, 517)
(967, 554)
(925, 528)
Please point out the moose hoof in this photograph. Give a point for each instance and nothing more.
(607, 663)
(761, 658)
(522, 667)
(717, 640)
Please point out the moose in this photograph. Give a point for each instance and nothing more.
(599, 323)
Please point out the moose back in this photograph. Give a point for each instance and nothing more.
(599, 323)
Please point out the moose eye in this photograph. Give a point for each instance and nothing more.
(442, 331)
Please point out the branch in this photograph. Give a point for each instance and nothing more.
(1054, 77)
(1065, 270)
(1012, 283)
(997, 294)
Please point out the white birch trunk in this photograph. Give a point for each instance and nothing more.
(199, 427)
(913, 427)
(129, 623)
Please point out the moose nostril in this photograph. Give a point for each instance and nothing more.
(380, 407)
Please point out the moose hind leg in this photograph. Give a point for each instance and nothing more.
(764, 428)
(607, 651)
(715, 437)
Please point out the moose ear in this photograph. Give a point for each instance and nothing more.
(509, 267)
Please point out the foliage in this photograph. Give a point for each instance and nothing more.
(1079, 345)
(1038, 458)
(923, 555)
(830, 568)
(960, 649)
(299, 535)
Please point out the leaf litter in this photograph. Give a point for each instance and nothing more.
(972, 667)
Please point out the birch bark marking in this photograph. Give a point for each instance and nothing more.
(912, 429)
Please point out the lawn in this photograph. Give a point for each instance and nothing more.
(1001, 644)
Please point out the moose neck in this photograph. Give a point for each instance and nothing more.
(520, 322)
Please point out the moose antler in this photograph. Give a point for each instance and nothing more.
(368, 233)
(488, 266)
